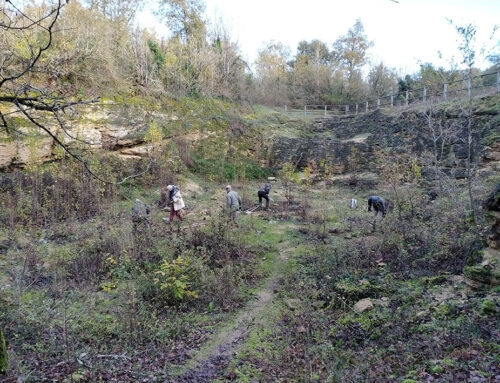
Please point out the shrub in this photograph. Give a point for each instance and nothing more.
(488, 307)
(174, 281)
(217, 245)
(221, 169)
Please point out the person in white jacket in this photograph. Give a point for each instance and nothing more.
(175, 202)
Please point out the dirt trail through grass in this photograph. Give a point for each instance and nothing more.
(212, 359)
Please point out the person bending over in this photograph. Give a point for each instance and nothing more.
(379, 205)
(264, 193)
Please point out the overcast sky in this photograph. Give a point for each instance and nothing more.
(405, 33)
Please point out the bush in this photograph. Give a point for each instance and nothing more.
(488, 307)
(428, 238)
(218, 247)
(174, 281)
(223, 170)
(205, 266)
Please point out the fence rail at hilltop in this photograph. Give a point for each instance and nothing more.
(484, 84)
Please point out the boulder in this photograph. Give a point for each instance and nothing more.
(482, 274)
(140, 150)
(383, 302)
(363, 305)
(488, 271)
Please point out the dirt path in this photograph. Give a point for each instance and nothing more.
(213, 359)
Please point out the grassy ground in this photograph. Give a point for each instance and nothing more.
(275, 302)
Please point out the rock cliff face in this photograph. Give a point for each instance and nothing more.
(20, 153)
(109, 126)
(121, 127)
(333, 139)
(492, 205)
(488, 271)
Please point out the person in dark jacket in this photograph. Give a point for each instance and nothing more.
(264, 193)
(379, 205)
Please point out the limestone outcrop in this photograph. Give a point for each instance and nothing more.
(488, 271)
(105, 126)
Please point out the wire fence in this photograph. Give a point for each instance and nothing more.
(484, 84)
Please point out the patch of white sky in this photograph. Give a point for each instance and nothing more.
(405, 33)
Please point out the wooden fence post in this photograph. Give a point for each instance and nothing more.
(469, 87)
(407, 96)
(378, 103)
(325, 110)
(347, 110)
(356, 109)
(445, 90)
(366, 107)
(285, 109)
(424, 95)
(305, 110)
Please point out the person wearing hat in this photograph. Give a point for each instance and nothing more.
(233, 202)
(175, 201)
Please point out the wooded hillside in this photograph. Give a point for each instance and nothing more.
(360, 246)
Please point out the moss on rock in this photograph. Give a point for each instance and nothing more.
(479, 273)
(435, 280)
(488, 307)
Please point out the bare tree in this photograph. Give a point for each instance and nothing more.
(117, 9)
(350, 51)
(185, 19)
(466, 46)
(382, 80)
(440, 136)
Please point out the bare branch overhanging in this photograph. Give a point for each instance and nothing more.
(27, 98)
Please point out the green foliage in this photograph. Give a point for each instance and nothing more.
(493, 137)
(354, 289)
(488, 307)
(478, 273)
(288, 174)
(158, 55)
(223, 170)
(174, 281)
(443, 310)
(435, 280)
(154, 135)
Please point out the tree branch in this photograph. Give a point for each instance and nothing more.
(42, 49)
(28, 98)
